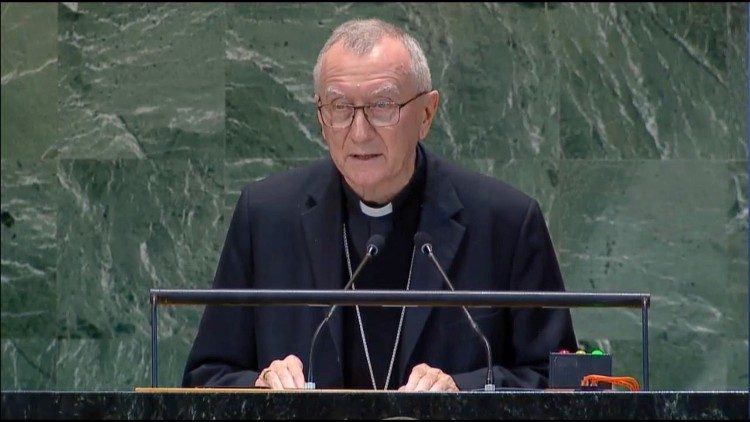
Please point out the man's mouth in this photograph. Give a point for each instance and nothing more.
(364, 157)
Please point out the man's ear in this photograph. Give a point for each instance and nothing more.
(316, 99)
(429, 110)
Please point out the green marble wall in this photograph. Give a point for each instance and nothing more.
(128, 130)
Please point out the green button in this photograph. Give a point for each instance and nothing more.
(597, 352)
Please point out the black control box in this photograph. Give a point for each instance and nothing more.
(566, 370)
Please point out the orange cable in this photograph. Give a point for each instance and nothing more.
(628, 382)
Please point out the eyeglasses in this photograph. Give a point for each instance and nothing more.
(339, 114)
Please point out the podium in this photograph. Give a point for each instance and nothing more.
(230, 403)
(339, 404)
(517, 299)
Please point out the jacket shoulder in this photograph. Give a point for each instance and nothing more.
(290, 182)
(479, 191)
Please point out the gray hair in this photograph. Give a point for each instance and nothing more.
(361, 35)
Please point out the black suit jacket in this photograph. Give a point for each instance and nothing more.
(286, 233)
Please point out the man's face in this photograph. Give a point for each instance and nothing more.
(375, 161)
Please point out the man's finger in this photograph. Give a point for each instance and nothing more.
(260, 382)
(427, 381)
(285, 377)
(296, 370)
(444, 383)
(273, 380)
(416, 374)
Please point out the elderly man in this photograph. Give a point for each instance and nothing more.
(307, 228)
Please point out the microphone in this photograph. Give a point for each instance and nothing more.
(423, 239)
(374, 244)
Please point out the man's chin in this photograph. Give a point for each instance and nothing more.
(364, 182)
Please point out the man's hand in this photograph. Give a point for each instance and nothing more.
(282, 374)
(426, 378)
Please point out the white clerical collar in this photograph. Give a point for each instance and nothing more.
(376, 212)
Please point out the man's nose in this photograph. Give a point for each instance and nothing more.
(360, 130)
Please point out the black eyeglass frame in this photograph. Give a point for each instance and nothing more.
(364, 107)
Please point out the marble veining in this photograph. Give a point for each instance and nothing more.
(128, 131)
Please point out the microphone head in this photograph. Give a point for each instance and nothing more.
(423, 242)
(374, 244)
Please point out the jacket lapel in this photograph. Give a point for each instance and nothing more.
(440, 205)
(322, 225)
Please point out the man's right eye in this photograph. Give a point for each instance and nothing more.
(340, 106)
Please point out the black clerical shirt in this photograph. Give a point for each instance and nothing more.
(389, 270)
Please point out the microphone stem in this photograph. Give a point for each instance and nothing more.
(312, 348)
(490, 380)
(365, 260)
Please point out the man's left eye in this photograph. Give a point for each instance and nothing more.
(382, 104)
